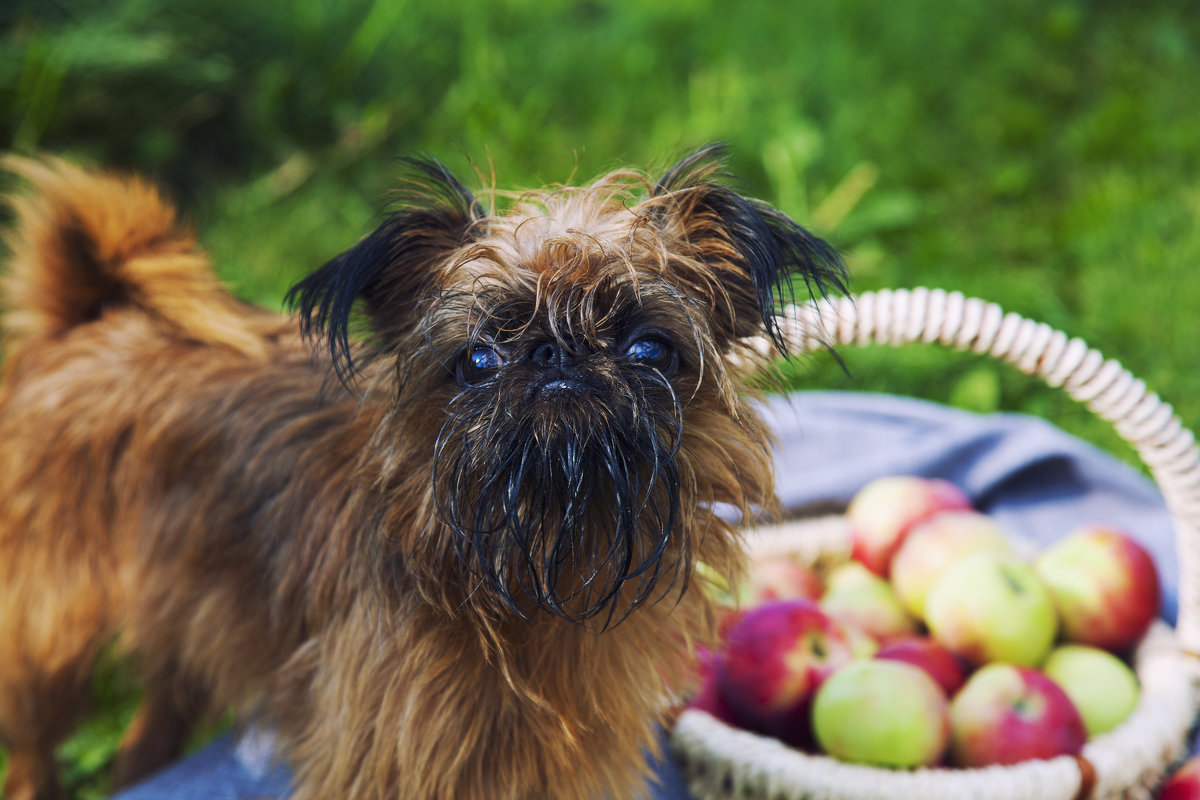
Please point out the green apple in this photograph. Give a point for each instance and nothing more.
(863, 600)
(1102, 686)
(882, 712)
(992, 607)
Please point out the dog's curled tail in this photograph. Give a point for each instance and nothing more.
(85, 241)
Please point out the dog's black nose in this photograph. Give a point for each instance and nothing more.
(560, 372)
(552, 354)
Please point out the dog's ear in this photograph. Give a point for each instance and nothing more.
(757, 254)
(387, 272)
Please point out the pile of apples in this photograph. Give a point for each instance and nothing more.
(936, 644)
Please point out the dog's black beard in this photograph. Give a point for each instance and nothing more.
(567, 507)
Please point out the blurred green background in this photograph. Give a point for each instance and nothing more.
(1040, 155)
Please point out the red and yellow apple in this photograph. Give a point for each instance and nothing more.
(774, 660)
(882, 512)
(771, 578)
(1105, 586)
(927, 654)
(1006, 714)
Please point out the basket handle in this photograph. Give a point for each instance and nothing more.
(1149, 425)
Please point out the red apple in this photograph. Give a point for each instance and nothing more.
(775, 658)
(882, 712)
(708, 698)
(1105, 586)
(863, 600)
(936, 544)
(773, 578)
(991, 607)
(1184, 783)
(882, 512)
(936, 659)
(1005, 714)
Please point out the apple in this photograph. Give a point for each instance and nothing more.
(862, 599)
(774, 659)
(778, 578)
(1007, 713)
(991, 607)
(708, 698)
(768, 578)
(862, 644)
(1184, 782)
(927, 654)
(1105, 586)
(883, 511)
(882, 712)
(933, 546)
(1102, 686)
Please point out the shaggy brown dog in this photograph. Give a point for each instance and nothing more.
(464, 570)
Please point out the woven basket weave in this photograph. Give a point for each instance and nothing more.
(721, 762)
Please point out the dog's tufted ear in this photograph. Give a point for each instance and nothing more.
(758, 254)
(388, 271)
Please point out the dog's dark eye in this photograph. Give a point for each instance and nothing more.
(478, 363)
(653, 352)
(485, 358)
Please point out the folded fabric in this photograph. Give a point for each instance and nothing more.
(1038, 482)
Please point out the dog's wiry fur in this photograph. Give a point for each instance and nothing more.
(466, 570)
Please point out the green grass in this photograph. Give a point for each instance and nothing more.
(1040, 155)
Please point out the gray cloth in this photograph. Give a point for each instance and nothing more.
(1037, 481)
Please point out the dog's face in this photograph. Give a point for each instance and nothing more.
(568, 375)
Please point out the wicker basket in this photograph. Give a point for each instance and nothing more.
(1128, 762)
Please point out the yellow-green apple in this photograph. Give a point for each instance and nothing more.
(1006, 713)
(883, 511)
(862, 599)
(1102, 686)
(933, 546)
(1184, 783)
(774, 659)
(1104, 584)
(991, 607)
(927, 654)
(882, 712)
